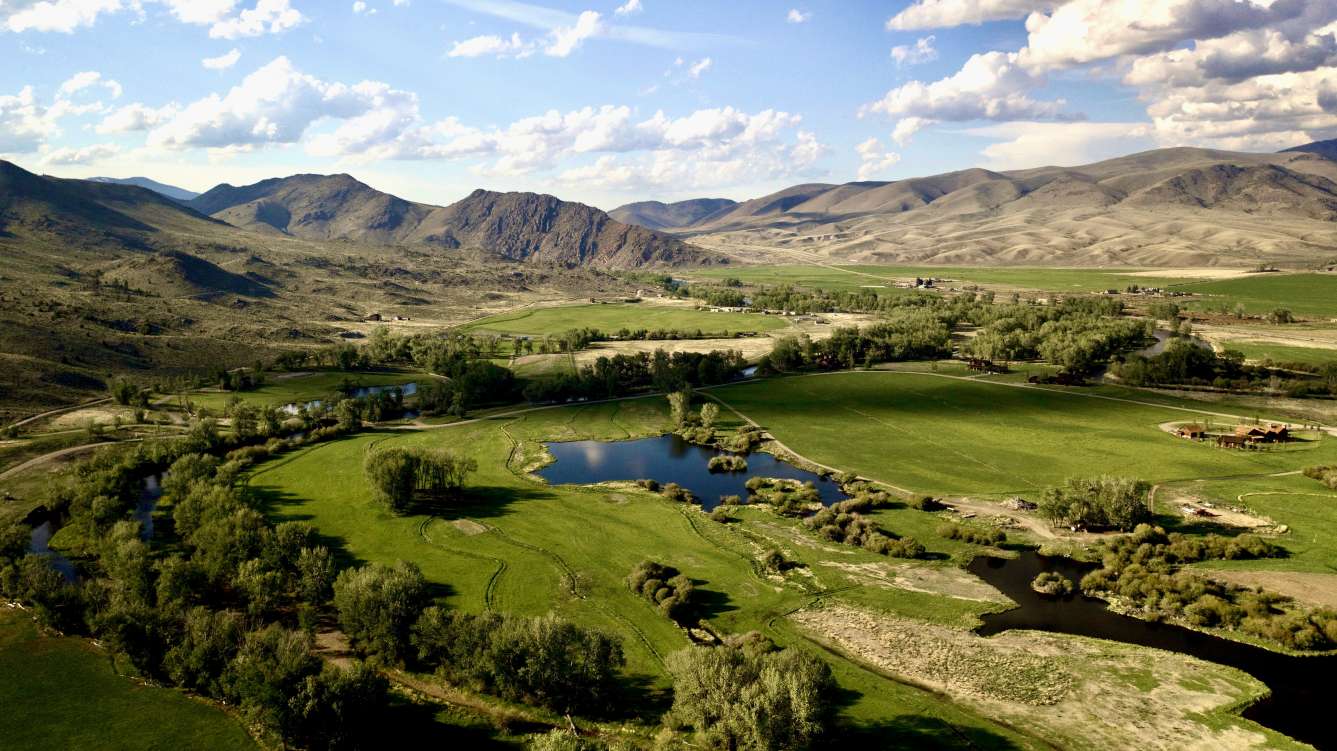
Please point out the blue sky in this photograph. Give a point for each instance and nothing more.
(621, 100)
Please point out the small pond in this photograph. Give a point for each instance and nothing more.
(1299, 702)
(668, 458)
(361, 392)
(45, 524)
(40, 543)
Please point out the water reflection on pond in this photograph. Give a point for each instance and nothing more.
(361, 392)
(1297, 707)
(668, 458)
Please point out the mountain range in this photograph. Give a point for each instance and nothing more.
(171, 191)
(1178, 206)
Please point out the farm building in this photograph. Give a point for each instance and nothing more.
(1191, 432)
(1264, 433)
(1232, 441)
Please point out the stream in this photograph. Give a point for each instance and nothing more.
(1299, 702)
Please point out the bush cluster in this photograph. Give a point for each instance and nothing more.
(787, 497)
(400, 474)
(1326, 475)
(1097, 503)
(727, 463)
(1052, 583)
(1143, 570)
(666, 588)
(855, 529)
(972, 535)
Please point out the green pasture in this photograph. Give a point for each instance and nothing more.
(1282, 353)
(61, 692)
(304, 388)
(873, 275)
(1305, 295)
(611, 318)
(519, 545)
(956, 436)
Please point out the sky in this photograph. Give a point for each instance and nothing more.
(611, 101)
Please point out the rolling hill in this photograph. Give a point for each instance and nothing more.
(506, 226)
(1178, 206)
(171, 191)
(658, 215)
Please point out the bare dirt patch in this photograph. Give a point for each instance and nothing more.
(468, 527)
(1073, 692)
(1310, 588)
(939, 580)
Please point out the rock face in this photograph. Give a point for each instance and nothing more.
(657, 215)
(508, 226)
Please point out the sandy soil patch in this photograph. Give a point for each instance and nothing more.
(468, 527)
(950, 582)
(1202, 510)
(1316, 589)
(1073, 692)
(102, 415)
(1195, 273)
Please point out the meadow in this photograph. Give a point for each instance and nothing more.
(1305, 295)
(1281, 353)
(612, 317)
(69, 697)
(942, 435)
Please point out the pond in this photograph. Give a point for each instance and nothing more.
(1299, 702)
(149, 496)
(45, 524)
(668, 458)
(361, 392)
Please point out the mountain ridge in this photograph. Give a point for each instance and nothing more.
(171, 191)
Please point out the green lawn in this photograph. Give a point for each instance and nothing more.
(952, 436)
(299, 389)
(613, 317)
(855, 276)
(60, 692)
(1306, 295)
(1282, 353)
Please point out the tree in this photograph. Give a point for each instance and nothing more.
(1100, 502)
(710, 411)
(270, 667)
(392, 473)
(742, 697)
(680, 404)
(206, 645)
(315, 575)
(339, 708)
(1281, 316)
(377, 606)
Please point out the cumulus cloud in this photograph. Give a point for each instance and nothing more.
(939, 14)
(797, 16)
(267, 17)
(54, 15)
(990, 86)
(222, 62)
(87, 80)
(874, 159)
(629, 7)
(360, 7)
(24, 123)
(567, 39)
(1030, 144)
(699, 68)
(134, 117)
(922, 51)
(491, 45)
(84, 155)
(275, 104)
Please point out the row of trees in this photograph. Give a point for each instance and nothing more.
(628, 373)
(1183, 362)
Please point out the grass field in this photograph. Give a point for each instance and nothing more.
(1281, 352)
(853, 277)
(305, 388)
(953, 436)
(1306, 295)
(613, 317)
(60, 692)
(521, 546)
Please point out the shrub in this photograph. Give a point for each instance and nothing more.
(727, 463)
(972, 535)
(665, 588)
(1100, 502)
(1052, 583)
(378, 604)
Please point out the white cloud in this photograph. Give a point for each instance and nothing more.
(200, 12)
(874, 159)
(939, 14)
(86, 80)
(360, 7)
(54, 15)
(1032, 144)
(480, 46)
(222, 62)
(629, 7)
(274, 105)
(990, 86)
(567, 39)
(85, 155)
(922, 51)
(267, 17)
(797, 16)
(699, 67)
(24, 123)
(907, 127)
(134, 117)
